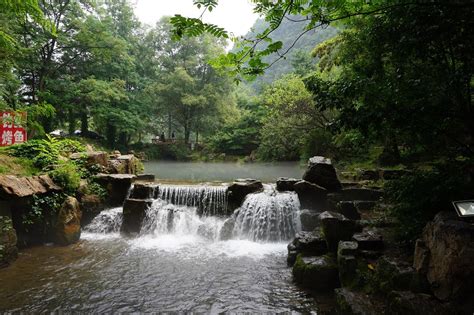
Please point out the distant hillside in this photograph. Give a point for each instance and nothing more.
(287, 33)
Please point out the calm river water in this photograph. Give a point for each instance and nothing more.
(222, 171)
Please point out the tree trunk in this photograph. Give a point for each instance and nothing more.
(111, 135)
(84, 123)
(197, 136)
(169, 125)
(187, 133)
(72, 121)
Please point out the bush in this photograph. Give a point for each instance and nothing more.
(66, 175)
(419, 196)
(45, 152)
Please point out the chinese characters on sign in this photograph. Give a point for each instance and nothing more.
(12, 128)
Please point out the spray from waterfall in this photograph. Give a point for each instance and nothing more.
(107, 221)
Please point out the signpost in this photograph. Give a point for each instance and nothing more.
(12, 128)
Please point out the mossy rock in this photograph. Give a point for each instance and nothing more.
(8, 240)
(319, 273)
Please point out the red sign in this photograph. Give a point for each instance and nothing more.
(12, 128)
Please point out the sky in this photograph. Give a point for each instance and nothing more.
(236, 16)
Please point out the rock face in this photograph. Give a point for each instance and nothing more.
(133, 214)
(311, 196)
(369, 239)
(347, 263)
(12, 187)
(116, 185)
(227, 229)
(322, 173)
(92, 158)
(8, 249)
(143, 191)
(355, 303)
(348, 209)
(409, 303)
(286, 184)
(335, 228)
(446, 254)
(318, 273)
(241, 188)
(124, 164)
(306, 243)
(67, 229)
(309, 220)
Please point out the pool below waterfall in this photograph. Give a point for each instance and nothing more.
(184, 259)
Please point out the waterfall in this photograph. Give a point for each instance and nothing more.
(166, 218)
(107, 221)
(268, 216)
(198, 211)
(209, 200)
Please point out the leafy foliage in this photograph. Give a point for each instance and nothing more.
(419, 196)
(66, 175)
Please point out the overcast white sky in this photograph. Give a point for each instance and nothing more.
(235, 16)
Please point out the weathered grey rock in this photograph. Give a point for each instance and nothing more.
(311, 196)
(92, 158)
(8, 240)
(317, 273)
(12, 187)
(116, 185)
(348, 209)
(307, 244)
(450, 242)
(322, 173)
(143, 191)
(240, 189)
(369, 239)
(409, 303)
(335, 228)
(394, 275)
(421, 258)
(67, 229)
(286, 184)
(347, 263)
(227, 229)
(355, 303)
(309, 220)
(124, 164)
(134, 211)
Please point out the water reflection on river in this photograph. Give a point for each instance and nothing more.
(222, 171)
(106, 273)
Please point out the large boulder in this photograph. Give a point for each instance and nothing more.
(307, 244)
(311, 196)
(240, 188)
(369, 239)
(92, 158)
(356, 303)
(227, 229)
(286, 184)
(335, 228)
(117, 187)
(446, 253)
(309, 220)
(322, 173)
(67, 229)
(409, 303)
(144, 191)
(124, 164)
(348, 209)
(347, 263)
(12, 187)
(318, 273)
(8, 249)
(134, 211)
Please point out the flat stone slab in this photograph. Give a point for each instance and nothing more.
(369, 240)
(17, 187)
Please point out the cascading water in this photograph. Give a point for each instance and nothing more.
(108, 221)
(268, 216)
(209, 200)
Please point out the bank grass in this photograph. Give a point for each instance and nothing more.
(10, 165)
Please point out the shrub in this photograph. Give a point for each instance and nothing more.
(45, 152)
(66, 175)
(417, 197)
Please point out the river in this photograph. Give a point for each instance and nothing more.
(222, 171)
